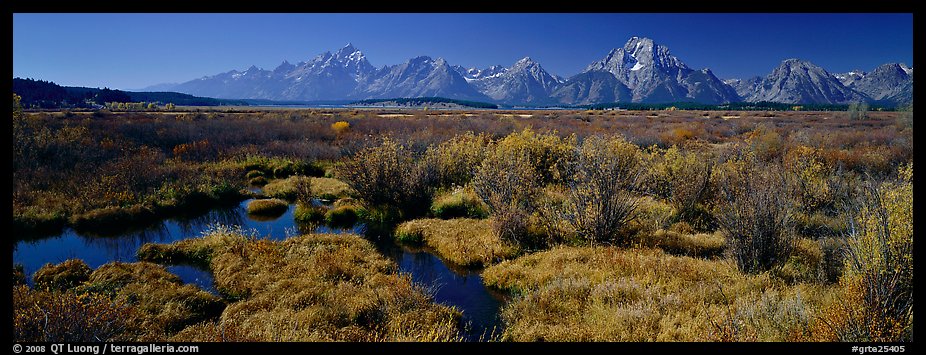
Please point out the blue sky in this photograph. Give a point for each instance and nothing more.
(131, 51)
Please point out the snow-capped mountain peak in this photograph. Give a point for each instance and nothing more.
(849, 78)
(524, 82)
(641, 70)
(888, 82)
(651, 73)
(638, 46)
(524, 61)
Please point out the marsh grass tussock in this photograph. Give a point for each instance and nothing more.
(316, 288)
(63, 276)
(459, 203)
(164, 303)
(116, 302)
(463, 241)
(267, 207)
(612, 294)
(301, 187)
(702, 245)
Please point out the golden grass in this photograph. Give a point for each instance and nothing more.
(267, 207)
(68, 274)
(686, 244)
(459, 203)
(463, 241)
(329, 189)
(611, 294)
(163, 304)
(341, 216)
(314, 287)
(322, 188)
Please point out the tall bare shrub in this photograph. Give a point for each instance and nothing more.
(877, 297)
(754, 211)
(389, 176)
(600, 198)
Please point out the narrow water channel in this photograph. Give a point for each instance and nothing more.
(458, 287)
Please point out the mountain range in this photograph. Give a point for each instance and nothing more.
(641, 71)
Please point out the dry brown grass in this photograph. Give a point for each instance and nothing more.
(267, 207)
(315, 288)
(322, 187)
(164, 304)
(68, 274)
(459, 202)
(686, 244)
(329, 189)
(463, 241)
(52, 316)
(610, 294)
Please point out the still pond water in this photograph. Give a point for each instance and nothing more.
(450, 285)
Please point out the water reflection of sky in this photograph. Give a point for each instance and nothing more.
(453, 286)
(98, 250)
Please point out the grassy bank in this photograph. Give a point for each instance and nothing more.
(106, 207)
(611, 294)
(463, 241)
(309, 288)
(322, 188)
(116, 302)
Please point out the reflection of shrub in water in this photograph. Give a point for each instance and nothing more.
(342, 216)
(268, 208)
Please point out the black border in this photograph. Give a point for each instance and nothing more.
(473, 6)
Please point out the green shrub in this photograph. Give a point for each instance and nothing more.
(457, 158)
(509, 187)
(684, 180)
(878, 280)
(511, 177)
